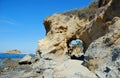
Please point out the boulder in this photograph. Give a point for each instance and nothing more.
(72, 69)
(26, 60)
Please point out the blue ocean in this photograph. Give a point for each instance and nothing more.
(13, 56)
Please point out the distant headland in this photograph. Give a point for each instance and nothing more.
(15, 51)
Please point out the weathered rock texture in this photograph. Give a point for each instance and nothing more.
(104, 52)
(101, 43)
(61, 29)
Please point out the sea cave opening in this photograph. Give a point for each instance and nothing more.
(75, 49)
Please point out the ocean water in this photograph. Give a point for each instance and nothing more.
(14, 56)
(0, 62)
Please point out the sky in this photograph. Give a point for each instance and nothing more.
(21, 21)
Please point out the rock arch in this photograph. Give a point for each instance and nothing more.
(62, 31)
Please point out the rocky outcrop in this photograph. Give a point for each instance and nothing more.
(61, 29)
(26, 60)
(13, 52)
(101, 45)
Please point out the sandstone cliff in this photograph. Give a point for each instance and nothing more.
(101, 45)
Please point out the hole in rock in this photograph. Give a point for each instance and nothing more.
(24, 63)
(75, 49)
(107, 70)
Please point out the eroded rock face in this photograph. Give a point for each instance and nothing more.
(101, 43)
(61, 29)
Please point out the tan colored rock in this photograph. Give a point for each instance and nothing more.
(61, 29)
(13, 52)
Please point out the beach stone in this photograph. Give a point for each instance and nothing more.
(26, 60)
